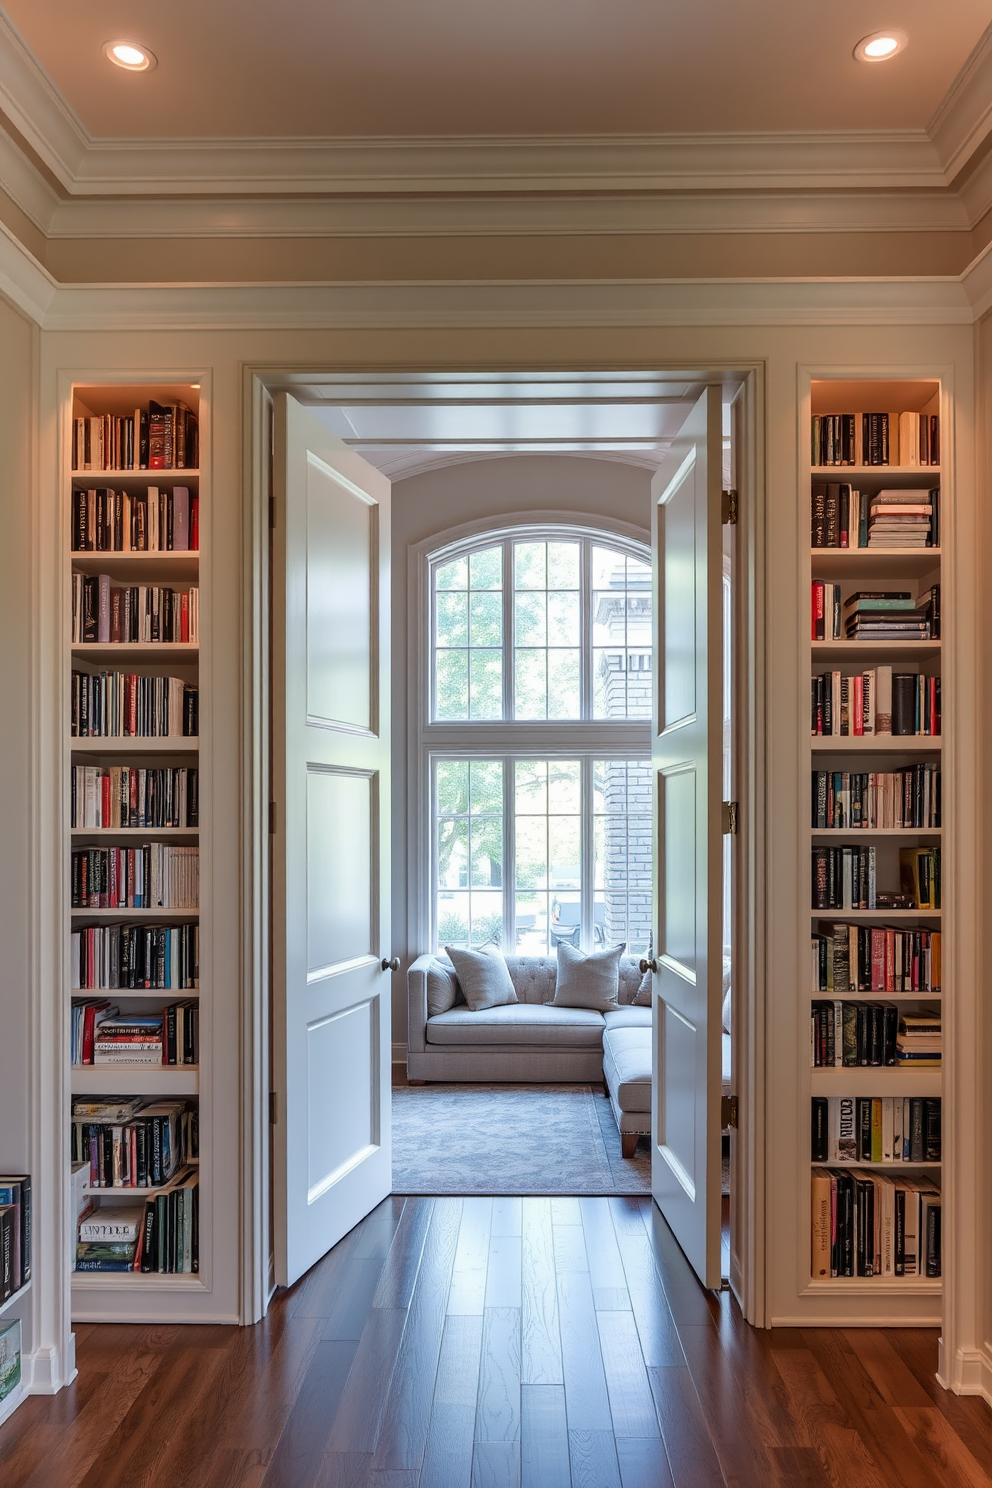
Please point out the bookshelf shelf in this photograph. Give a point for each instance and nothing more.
(13, 1300)
(861, 563)
(875, 997)
(872, 1167)
(126, 1296)
(135, 650)
(139, 566)
(874, 1080)
(132, 744)
(922, 475)
(875, 743)
(908, 833)
(132, 834)
(134, 1079)
(876, 650)
(866, 1286)
(872, 915)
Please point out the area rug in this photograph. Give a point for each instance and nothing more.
(511, 1139)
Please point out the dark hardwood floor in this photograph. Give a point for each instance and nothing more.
(462, 1343)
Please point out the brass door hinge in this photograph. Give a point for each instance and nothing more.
(729, 511)
(730, 817)
(728, 1111)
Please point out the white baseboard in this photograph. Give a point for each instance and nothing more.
(399, 1053)
(42, 1371)
(972, 1374)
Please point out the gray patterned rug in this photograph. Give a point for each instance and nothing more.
(511, 1139)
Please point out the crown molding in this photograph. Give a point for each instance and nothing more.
(963, 119)
(720, 303)
(23, 280)
(37, 109)
(519, 216)
(977, 283)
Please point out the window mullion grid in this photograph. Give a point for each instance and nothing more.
(585, 630)
(508, 632)
(432, 834)
(509, 857)
(587, 853)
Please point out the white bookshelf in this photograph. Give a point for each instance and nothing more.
(146, 1296)
(873, 1300)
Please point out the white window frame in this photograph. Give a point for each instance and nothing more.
(586, 738)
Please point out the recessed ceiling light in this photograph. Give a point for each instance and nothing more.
(130, 56)
(880, 46)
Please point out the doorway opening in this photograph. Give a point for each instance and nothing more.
(523, 839)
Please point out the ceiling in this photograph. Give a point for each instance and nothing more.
(244, 69)
(415, 423)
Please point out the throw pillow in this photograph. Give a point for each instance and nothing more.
(483, 977)
(443, 991)
(642, 997)
(591, 981)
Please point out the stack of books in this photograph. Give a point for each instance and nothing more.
(886, 615)
(901, 519)
(918, 1041)
(15, 1233)
(129, 1040)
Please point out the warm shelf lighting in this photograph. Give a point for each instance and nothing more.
(880, 46)
(129, 55)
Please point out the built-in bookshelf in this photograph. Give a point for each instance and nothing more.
(134, 1070)
(876, 511)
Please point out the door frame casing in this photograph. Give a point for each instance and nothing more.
(258, 385)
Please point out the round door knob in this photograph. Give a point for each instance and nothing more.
(645, 966)
(393, 965)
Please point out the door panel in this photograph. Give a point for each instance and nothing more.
(330, 855)
(688, 760)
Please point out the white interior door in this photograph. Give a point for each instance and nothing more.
(330, 854)
(687, 752)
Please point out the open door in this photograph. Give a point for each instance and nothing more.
(687, 753)
(330, 843)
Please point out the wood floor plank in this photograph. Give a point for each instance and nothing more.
(544, 1461)
(688, 1299)
(403, 1435)
(891, 1376)
(394, 1477)
(733, 1428)
(399, 1274)
(655, 1325)
(826, 1424)
(798, 1467)
(570, 1248)
(643, 1462)
(593, 1456)
(587, 1401)
(301, 1446)
(631, 1401)
(935, 1439)
(498, 1411)
(363, 1402)
(606, 1271)
(540, 1357)
(496, 1464)
(451, 1431)
(503, 1272)
(348, 1309)
(507, 1215)
(565, 1211)
(468, 1282)
(688, 1444)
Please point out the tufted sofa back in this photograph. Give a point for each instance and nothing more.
(533, 979)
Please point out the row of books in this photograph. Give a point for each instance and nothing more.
(877, 702)
(154, 876)
(849, 1035)
(875, 958)
(133, 1142)
(163, 436)
(875, 1129)
(152, 521)
(109, 614)
(127, 796)
(882, 800)
(99, 1034)
(129, 705)
(874, 1224)
(844, 878)
(842, 517)
(161, 1235)
(135, 958)
(877, 615)
(15, 1233)
(909, 438)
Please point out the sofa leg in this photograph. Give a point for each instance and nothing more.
(415, 1082)
(628, 1143)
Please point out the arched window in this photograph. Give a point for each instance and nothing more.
(537, 740)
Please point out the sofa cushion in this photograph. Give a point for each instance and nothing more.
(483, 977)
(524, 1023)
(627, 1067)
(443, 991)
(642, 997)
(628, 1017)
(588, 981)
